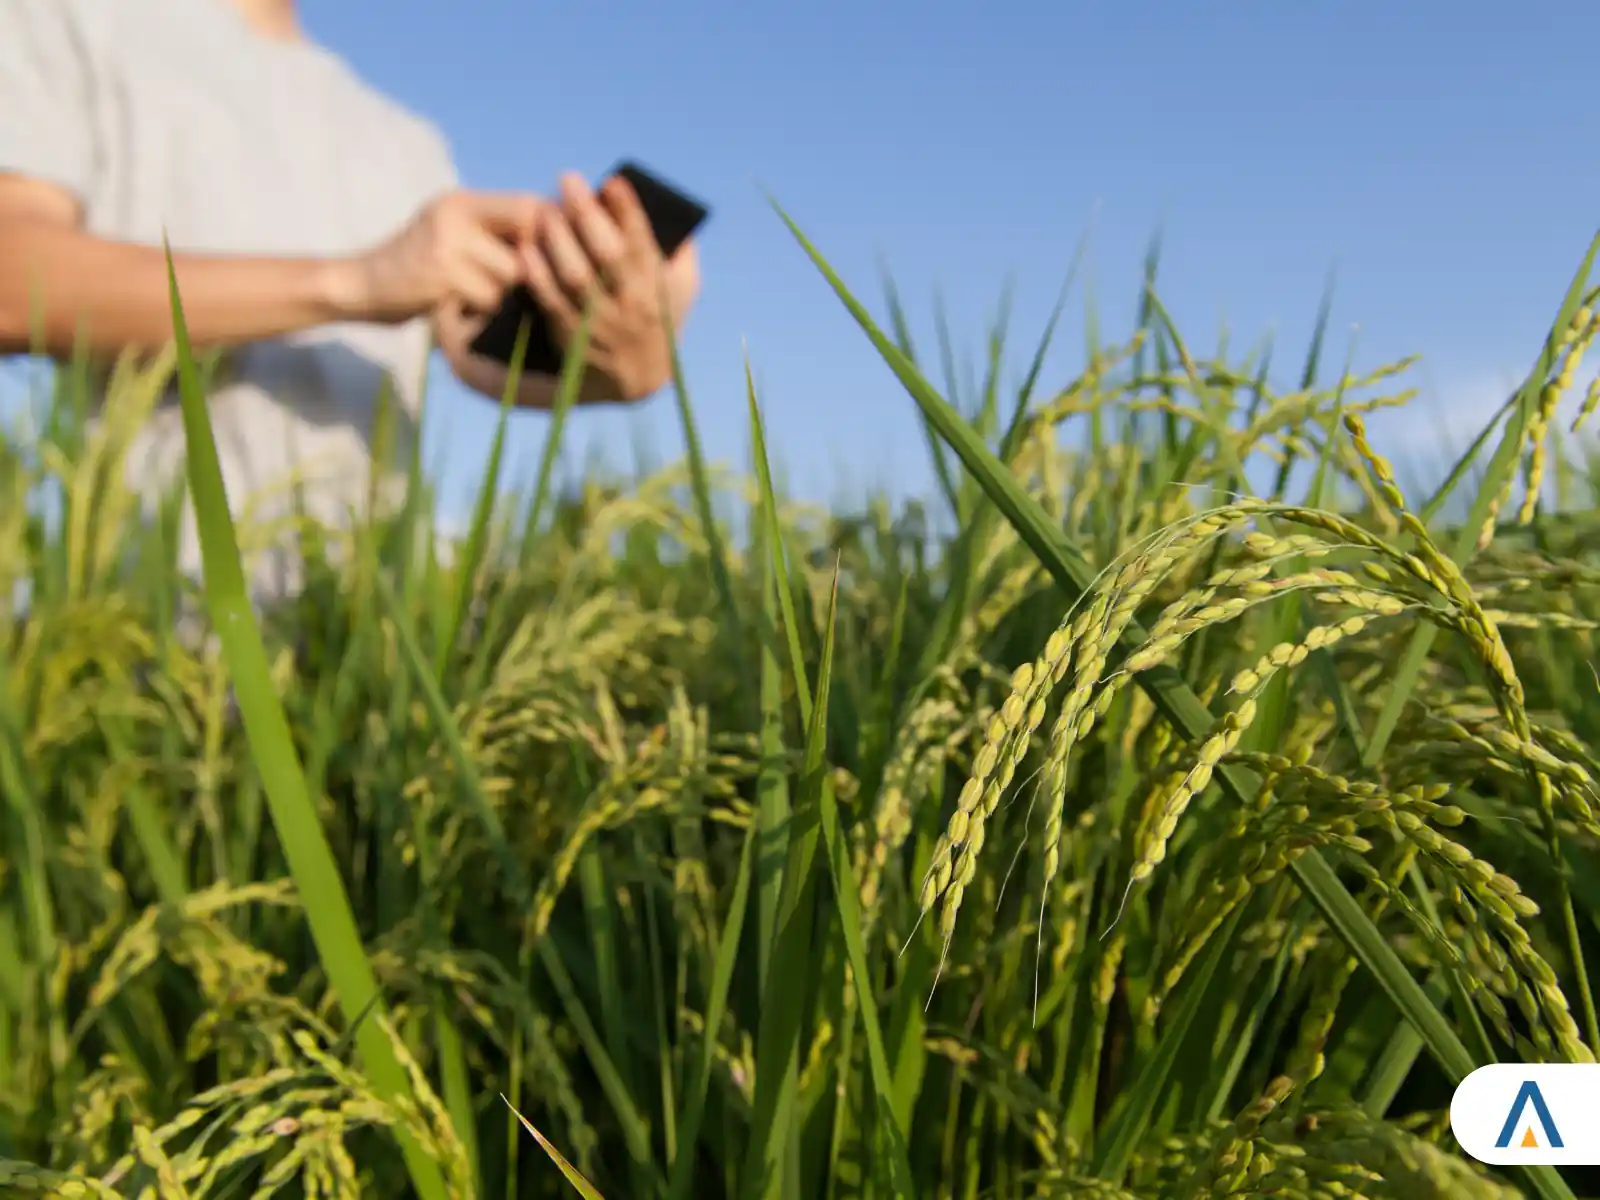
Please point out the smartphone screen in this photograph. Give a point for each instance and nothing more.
(673, 218)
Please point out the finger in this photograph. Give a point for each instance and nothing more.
(548, 292)
(494, 255)
(479, 290)
(686, 256)
(623, 204)
(454, 325)
(510, 215)
(681, 280)
(567, 258)
(599, 235)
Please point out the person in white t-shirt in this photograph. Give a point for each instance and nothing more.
(319, 236)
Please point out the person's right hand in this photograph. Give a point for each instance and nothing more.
(463, 247)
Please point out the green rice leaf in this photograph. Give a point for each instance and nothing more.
(311, 861)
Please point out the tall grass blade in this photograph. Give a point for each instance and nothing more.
(902, 334)
(311, 861)
(700, 480)
(570, 1173)
(478, 534)
(567, 388)
(682, 1170)
(771, 1161)
(848, 899)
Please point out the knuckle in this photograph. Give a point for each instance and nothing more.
(452, 209)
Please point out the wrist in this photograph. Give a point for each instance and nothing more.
(341, 293)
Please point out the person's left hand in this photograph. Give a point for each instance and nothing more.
(603, 245)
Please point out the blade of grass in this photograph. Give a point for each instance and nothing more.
(716, 1006)
(311, 861)
(570, 1173)
(902, 333)
(848, 900)
(477, 536)
(603, 940)
(1011, 442)
(847, 894)
(700, 481)
(958, 595)
(772, 786)
(572, 367)
(784, 588)
(771, 1159)
(994, 365)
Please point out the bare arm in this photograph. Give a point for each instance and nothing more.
(59, 283)
(62, 283)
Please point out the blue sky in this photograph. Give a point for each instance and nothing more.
(1440, 156)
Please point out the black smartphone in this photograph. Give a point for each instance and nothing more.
(673, 219)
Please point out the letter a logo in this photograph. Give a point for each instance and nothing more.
(1529, 1094)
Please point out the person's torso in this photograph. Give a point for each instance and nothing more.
(225, 142)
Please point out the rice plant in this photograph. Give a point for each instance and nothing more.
(1163, 832)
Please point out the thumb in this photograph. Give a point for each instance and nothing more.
(454, 326)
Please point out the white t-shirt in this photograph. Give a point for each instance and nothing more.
(174, 117)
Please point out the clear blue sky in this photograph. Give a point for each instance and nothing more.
(1441, 156)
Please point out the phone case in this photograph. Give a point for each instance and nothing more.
(673, 219)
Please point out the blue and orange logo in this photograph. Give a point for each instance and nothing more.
(1508, 1114)
(1531, 1124)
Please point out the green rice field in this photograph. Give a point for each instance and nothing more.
(1184, 824)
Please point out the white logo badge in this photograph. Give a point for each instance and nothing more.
(1529, 1114)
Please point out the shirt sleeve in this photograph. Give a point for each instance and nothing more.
(46, 115)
